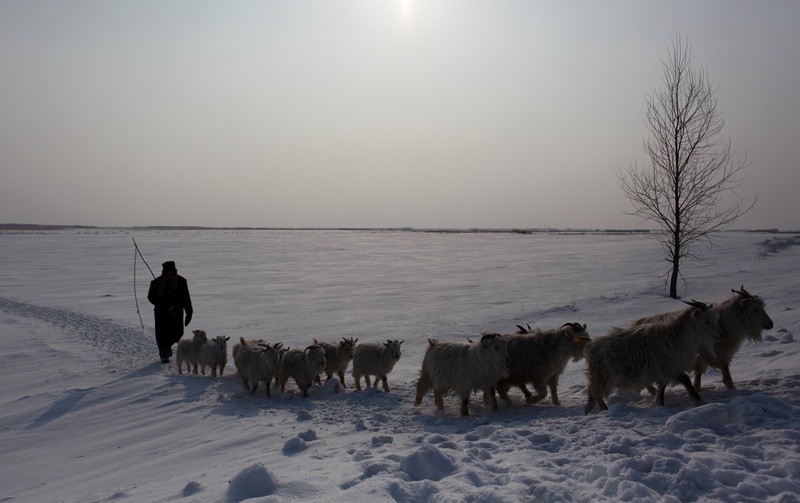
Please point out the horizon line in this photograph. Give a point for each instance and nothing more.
(516, 230)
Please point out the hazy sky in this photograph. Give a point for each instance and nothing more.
(373, 113)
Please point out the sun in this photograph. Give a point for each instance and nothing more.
(404, 12)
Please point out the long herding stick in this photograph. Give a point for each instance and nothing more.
(136, 298)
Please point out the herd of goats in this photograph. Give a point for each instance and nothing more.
(649, 353)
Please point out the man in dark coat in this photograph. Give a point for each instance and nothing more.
(169, 293)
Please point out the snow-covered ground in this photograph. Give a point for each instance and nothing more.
(87, 413)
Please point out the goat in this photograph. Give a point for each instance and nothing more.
(302, 366)
(189, 351)
(214, 354)
(742, 316)
(539, 357)
(337, 356)
(463, 367)
(246, 342)
(637, 356)
(377, 359)
(256, 362)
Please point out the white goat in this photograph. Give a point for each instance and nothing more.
(375, 359)
(658, 352)
(741, 317)
(189, 351)
(539, 357)
(463, 367)
(256, 362)
(337, 356)
(246, 342)
(302, 366)
(214, 354)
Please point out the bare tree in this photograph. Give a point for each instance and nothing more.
(691, 169)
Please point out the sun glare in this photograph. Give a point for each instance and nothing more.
(405, 12)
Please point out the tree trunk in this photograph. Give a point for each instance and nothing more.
(673, 280)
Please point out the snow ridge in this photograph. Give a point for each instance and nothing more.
(126, 345)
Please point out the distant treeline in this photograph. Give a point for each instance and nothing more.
(36, 227)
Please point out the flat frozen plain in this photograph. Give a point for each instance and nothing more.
(89, 414)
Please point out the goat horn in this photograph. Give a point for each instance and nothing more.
(696, 303)
(744, 293)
